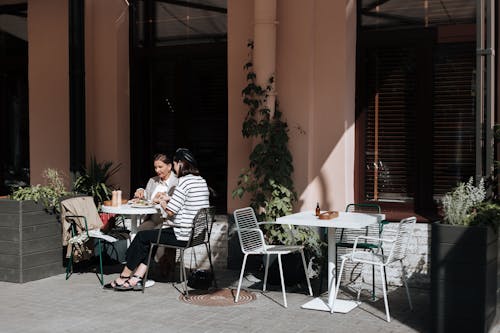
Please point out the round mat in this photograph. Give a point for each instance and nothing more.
(218, 297)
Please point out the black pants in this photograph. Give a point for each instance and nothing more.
(138, 250)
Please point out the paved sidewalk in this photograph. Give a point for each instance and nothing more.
(79, 304)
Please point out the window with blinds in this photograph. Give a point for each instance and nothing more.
(390, 125)
(453, 116)
(417, 121)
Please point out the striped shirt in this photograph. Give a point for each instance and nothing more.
(189, 196)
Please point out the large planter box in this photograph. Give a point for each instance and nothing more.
(30, 242)
(463, 278)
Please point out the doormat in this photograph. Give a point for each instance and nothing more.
(217, 297)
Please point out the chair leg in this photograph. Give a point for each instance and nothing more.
(241, 278)
(209, 252)
(69, 267)
(385, 274)
(183, 273)
(336, 290)
(282, 280)
(373, 282)
(101, 279)
(403, 275)
(386, 303)
(266, 270)
(305, 271)
(147, 268)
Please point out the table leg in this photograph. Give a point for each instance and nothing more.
(331, 265)
(339, 305)
(133, 226)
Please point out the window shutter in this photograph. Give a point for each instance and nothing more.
(453, 116)
(390, 139)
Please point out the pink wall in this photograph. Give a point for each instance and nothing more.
(107, 85)
(315, 75)
(48, 87)
(240, 29)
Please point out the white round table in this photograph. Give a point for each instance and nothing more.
(136, 214)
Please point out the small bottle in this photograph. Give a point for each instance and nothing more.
(318, 211)
(119, 198)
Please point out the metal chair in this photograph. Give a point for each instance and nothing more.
(200, 235)
(252, 242)
(345, 238)
(81, 223)
(398, 248)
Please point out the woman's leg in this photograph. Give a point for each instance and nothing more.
(147, 237)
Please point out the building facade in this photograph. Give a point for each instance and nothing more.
(379, 96)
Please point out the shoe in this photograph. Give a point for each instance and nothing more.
(126, 286)
(110, 286)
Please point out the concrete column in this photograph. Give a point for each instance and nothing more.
(264, 54)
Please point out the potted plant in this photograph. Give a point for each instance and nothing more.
(268, 179)
(30, 247)
(464, 261)
(94, 180)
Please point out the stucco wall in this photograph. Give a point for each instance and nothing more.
(315, 71)
(48, 87)
(107, 86)
(240, 29)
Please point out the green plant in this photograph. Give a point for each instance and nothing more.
(94, 180)
(268, 179)
(48, 195)
(467, 205)
(459, 203)
(269, 175)
(485, 214)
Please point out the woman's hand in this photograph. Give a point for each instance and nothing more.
(139, 193)
(163, 204)
(161, 196)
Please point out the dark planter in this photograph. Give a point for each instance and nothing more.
(30, 242)
(463, 278)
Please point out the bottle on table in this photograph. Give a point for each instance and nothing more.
(318, 211)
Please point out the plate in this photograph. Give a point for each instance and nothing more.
(142, 205)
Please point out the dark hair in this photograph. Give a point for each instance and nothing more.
(162, 157)
(187, 163)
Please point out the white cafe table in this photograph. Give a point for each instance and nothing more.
(344, 220)
(136, 214)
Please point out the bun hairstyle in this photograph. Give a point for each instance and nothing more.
(187, 163)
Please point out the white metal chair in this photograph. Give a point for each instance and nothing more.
(398, 248)
(200, 235)
(252, 242)
(345, 238)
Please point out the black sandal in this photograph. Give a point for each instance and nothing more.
(110, 285)
(128, 286)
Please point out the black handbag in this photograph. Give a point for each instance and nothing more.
(200, 279)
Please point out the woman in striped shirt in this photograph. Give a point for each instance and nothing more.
(190, 195)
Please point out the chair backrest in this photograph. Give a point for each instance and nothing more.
(202, 223)
(251, 237)
(363, 208)
(404, 234)
(374, 230)
(78, 206)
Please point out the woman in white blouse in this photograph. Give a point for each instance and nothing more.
(157, 189)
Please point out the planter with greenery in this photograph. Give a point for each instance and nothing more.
(268, 179)
(464, 261)
(30, 235)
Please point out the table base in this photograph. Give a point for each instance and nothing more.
(340, 305)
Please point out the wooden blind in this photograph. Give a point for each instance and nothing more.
(390, 139)
(453, 116)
